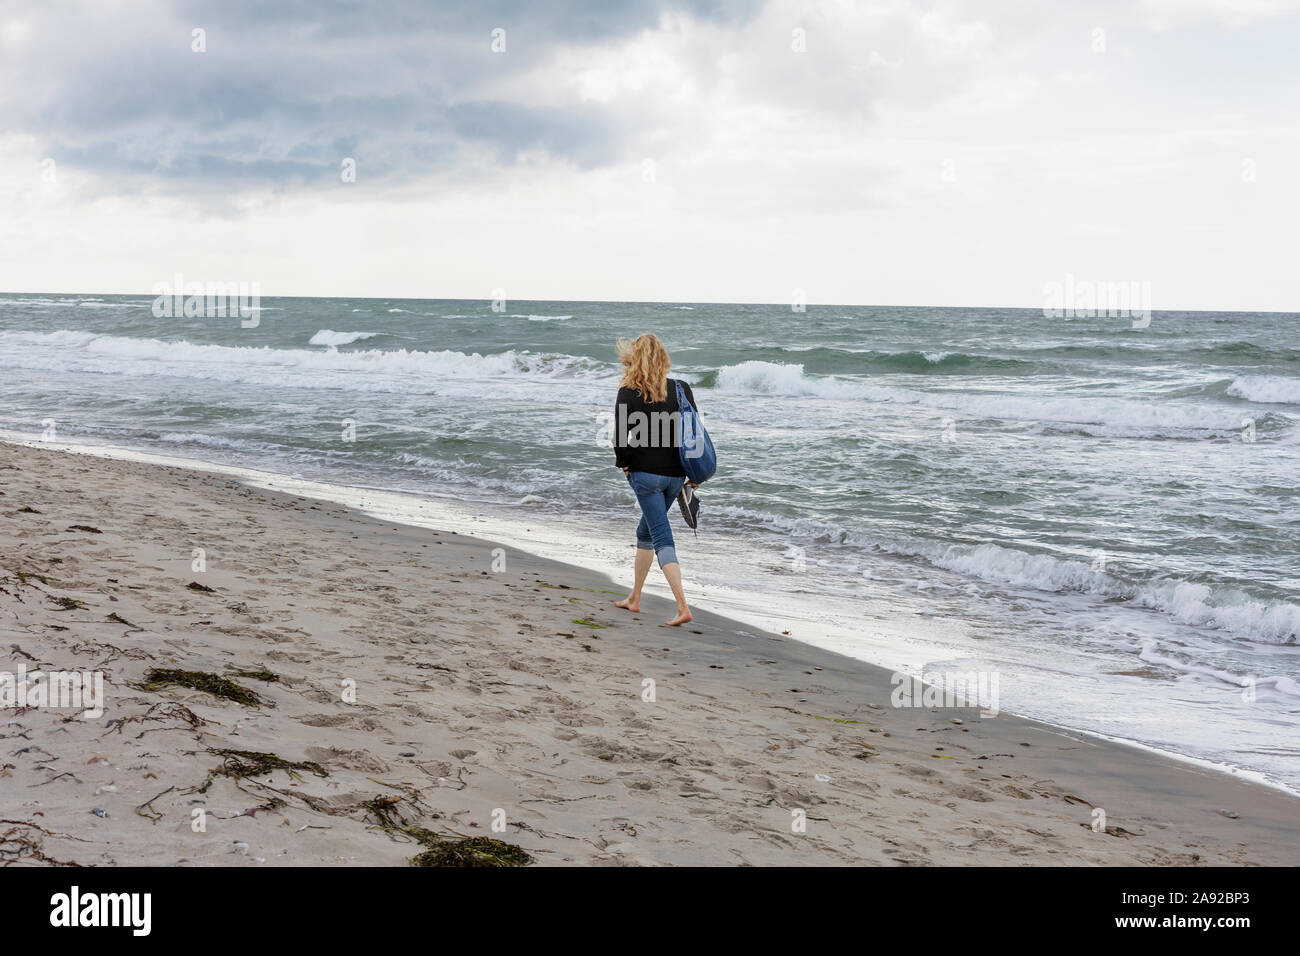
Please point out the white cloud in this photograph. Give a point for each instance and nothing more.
(1077, 81)
(1179, 14)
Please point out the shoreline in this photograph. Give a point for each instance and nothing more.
(455, 515)
(584, 769)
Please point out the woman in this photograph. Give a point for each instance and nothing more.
(646, 440)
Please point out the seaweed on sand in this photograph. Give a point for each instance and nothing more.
(168, 711)
(389, 813)
(157, 678)
(147, 810)
(238, 764)
(394, 814)
(23, 841)
(472, 851)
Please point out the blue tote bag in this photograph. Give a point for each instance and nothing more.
(699, 460)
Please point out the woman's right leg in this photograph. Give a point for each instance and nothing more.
(645, 557)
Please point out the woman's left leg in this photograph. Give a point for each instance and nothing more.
(673, 572)
(672, 569)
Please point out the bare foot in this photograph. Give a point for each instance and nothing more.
(680, 619)
(628, 604)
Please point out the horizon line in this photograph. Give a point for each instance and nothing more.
(783, 305)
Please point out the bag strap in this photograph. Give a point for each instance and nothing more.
(682, 400)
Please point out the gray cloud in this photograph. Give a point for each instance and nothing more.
(286, 90)
(534, 23)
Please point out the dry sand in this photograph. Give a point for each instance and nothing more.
(512, 694)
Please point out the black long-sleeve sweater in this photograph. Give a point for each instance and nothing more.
(647, 434)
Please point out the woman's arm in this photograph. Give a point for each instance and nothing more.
(621, 457)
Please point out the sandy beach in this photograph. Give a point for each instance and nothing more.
(388, 689)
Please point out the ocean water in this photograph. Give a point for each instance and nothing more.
(1105, 516)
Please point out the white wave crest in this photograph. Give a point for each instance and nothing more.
(335, 339)
(779, 378)
(1266, 389)
(201, 438)
(1230, 610)
(1043, 572)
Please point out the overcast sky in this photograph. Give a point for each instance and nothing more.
(893, 152)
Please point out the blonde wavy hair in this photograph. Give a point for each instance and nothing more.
(645, 366)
